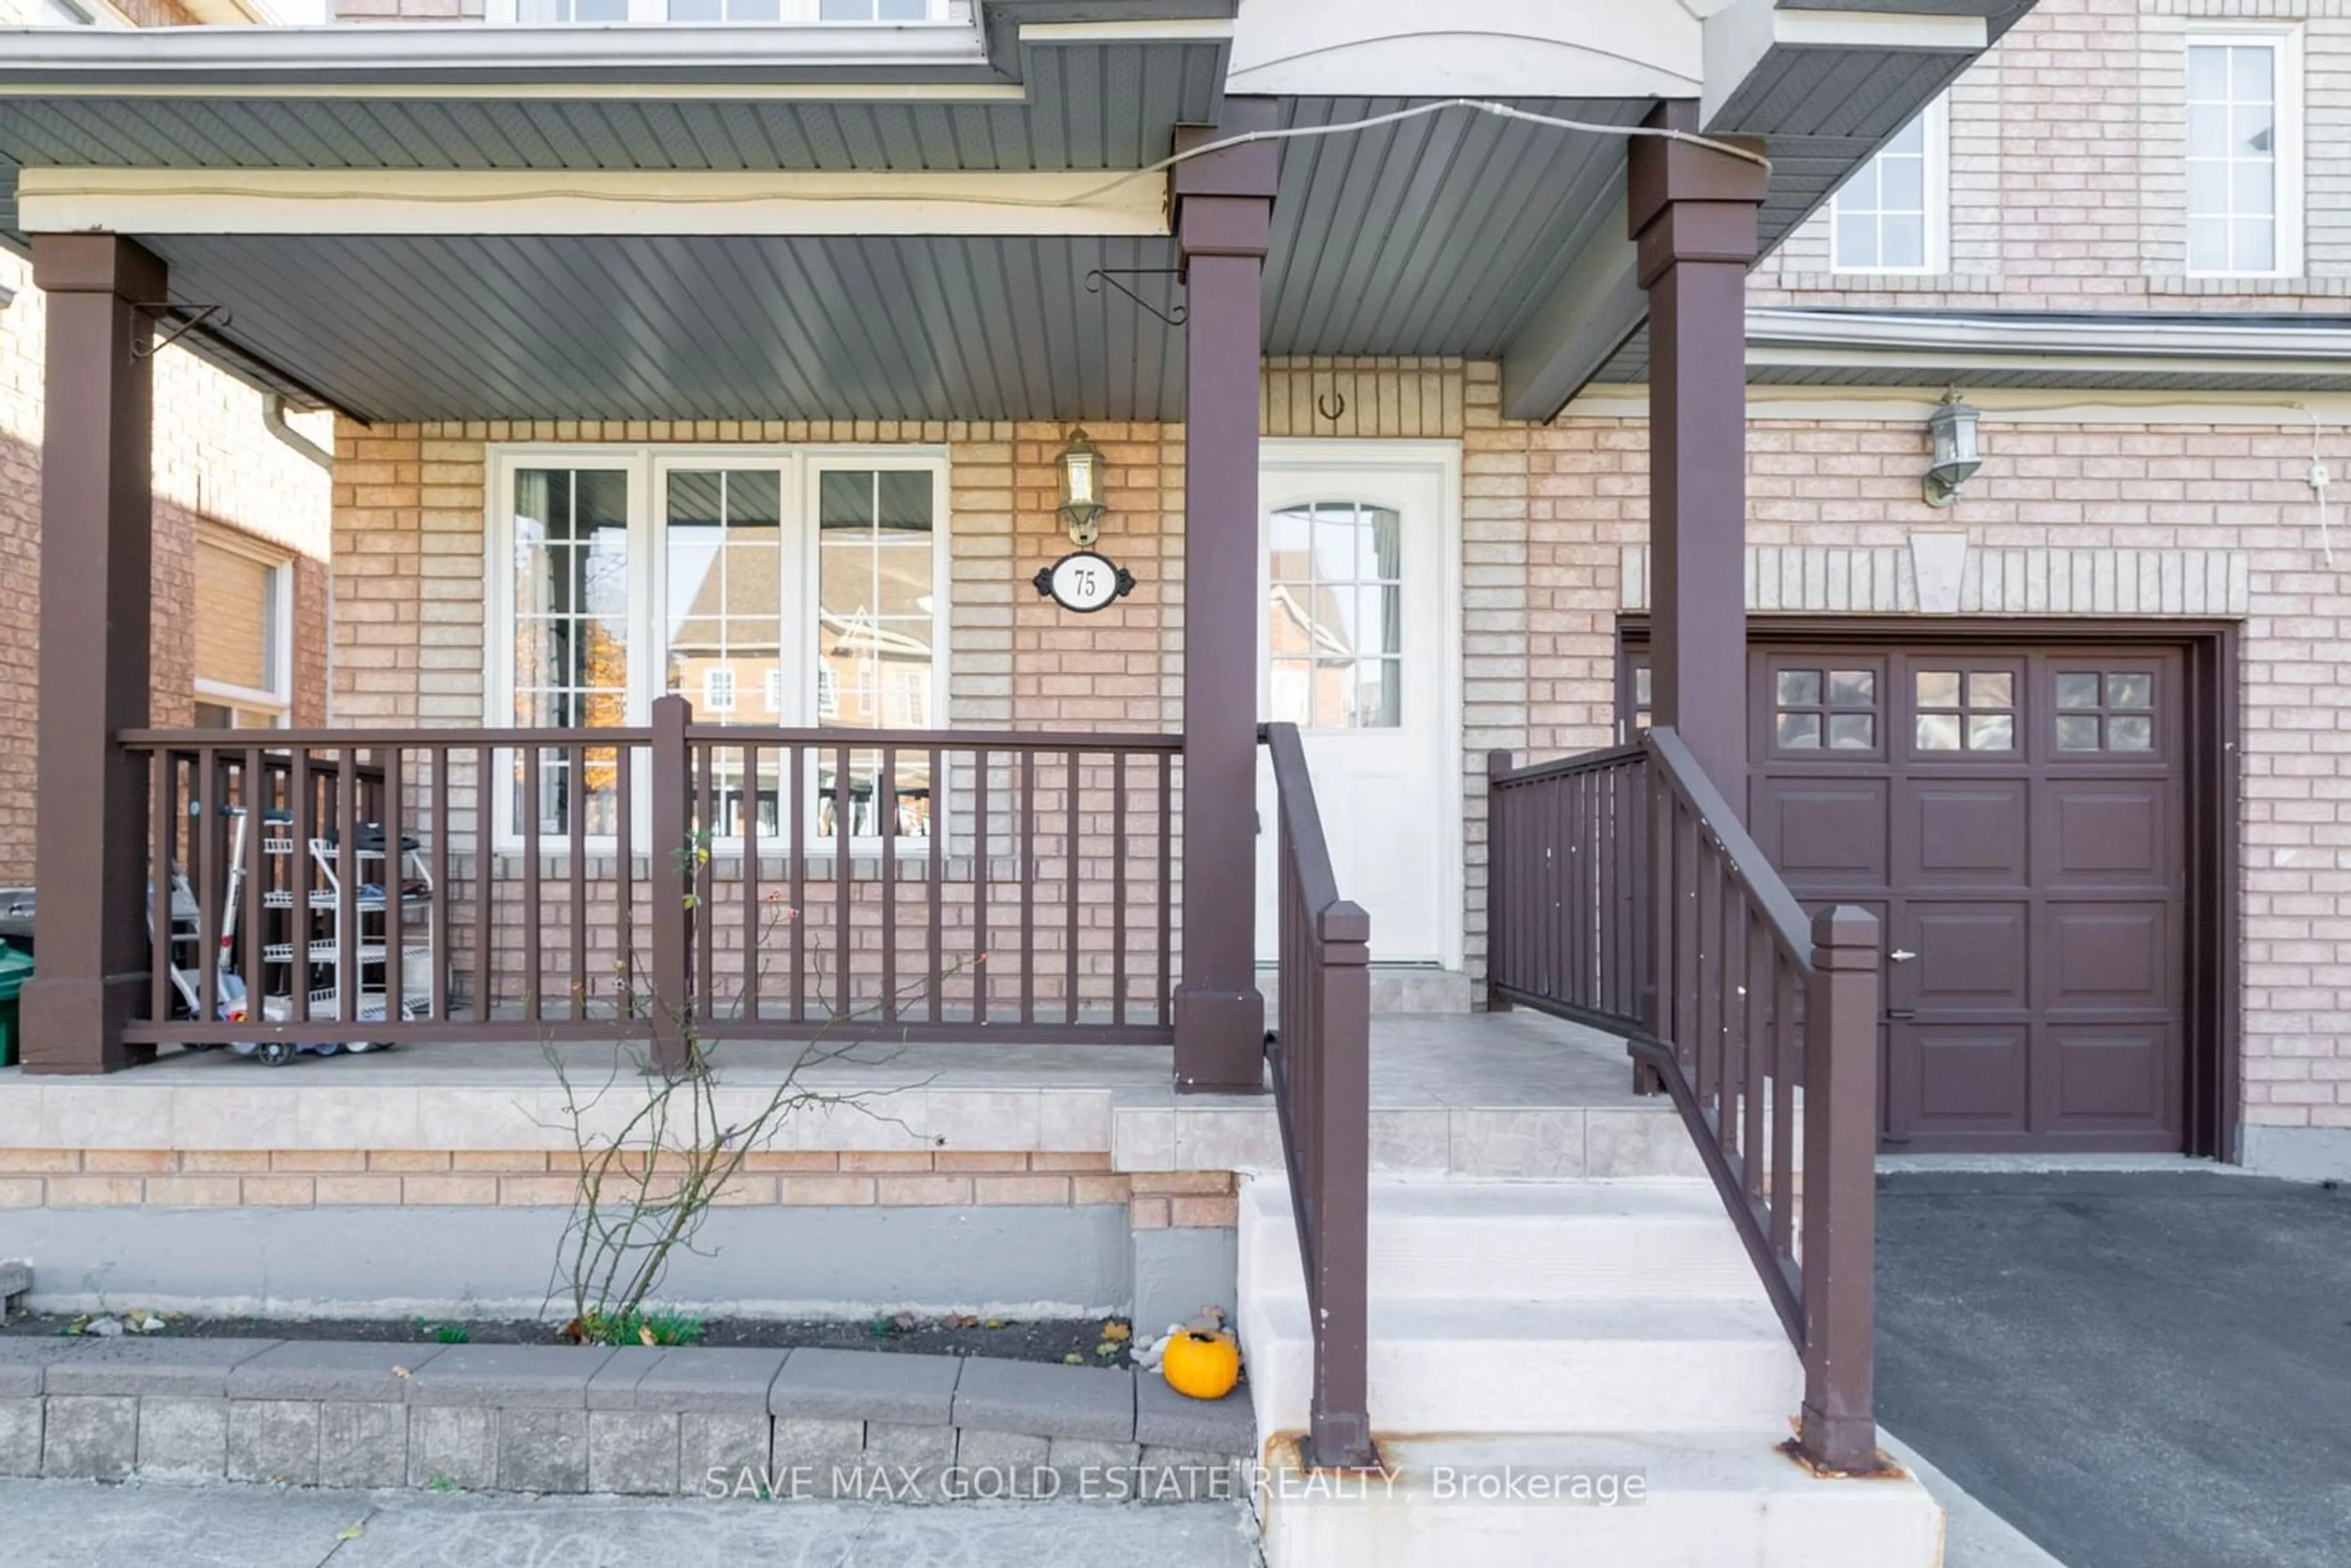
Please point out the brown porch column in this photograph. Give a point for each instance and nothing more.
(1224, 219)
(90, 866)
(1693, 213)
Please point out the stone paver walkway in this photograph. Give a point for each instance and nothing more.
(72, 1524)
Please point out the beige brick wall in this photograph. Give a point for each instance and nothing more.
(1549, 513)
(264, 1178)
(2068, 180)
(2233, 482)
(213, 460)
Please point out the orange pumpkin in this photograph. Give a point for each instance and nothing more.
(1202, 1365)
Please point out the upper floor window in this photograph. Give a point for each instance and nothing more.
(558, 13)
(1892, 216)
(2243, 155)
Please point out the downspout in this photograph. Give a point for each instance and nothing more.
(273, 420)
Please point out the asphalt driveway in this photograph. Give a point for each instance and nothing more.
(2136, 1371)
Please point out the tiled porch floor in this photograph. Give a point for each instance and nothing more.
(1478, 1094)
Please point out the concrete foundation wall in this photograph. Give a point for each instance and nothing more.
(334, 1262)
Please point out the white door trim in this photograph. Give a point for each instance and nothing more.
(1312, 454)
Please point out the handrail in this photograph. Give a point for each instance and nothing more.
(1301, 818)
(1746, 860)
(1320, 1053)
(1625, 894)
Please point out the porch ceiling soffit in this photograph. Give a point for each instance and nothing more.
(1040, 86)
(1426, 237)
(2128, 351)
(1824, 84)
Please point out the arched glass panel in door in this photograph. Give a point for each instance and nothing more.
(1334, 625)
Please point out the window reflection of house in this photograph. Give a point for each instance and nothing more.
(1334, 620)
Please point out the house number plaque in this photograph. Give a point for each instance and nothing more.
(1085, 582)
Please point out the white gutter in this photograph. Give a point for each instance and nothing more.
(1814, 337)
(686, 61)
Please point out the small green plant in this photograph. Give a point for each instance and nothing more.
(452, 1333)
(657, 1326)
(439, 1482)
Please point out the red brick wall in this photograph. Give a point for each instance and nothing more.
(212, 459)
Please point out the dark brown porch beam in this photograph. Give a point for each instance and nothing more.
(97, 524)
(1693, 215)
(1223, 223)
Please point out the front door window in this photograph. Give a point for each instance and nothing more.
(1335, 631)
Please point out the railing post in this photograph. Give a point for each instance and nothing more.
(1656, 973)
(1498, 765)
(671, 838)
(1839, 1429)
(1339, 1435)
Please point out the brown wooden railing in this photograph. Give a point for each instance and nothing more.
(1320, 1053)
(677, 880)
(1626, 894)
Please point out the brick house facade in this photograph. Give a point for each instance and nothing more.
(2065, 194)
(217, 465)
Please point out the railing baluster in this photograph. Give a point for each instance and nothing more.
(980, 883)
(753, 914)
(485, 841)
(533, 874)
(254, 795)
(395, 864)
(439, 943)
(798, 809)
(1118, 888)
(885, 807)
(934, 825)
(1028, 868)
(348, 987)
(1166, 888)
(1070, 885)
(703, 759)
(845, 821)
(575, 817)
(624, 874)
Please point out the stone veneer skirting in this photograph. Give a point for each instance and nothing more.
(786, 1425)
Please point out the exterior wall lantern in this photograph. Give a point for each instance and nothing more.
(1957, 456)
(1080, 464)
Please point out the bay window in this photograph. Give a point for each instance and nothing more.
(787, 589)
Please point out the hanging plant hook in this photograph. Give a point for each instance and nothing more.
(196, 315)
(1174, 315)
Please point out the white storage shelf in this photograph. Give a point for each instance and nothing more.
(318, 934)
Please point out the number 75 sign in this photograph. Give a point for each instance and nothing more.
(1085, 582)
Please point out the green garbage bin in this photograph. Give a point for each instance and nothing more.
(16, 968)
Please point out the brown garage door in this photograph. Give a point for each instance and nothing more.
(2017, 819)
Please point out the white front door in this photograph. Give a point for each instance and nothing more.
(1358, 639)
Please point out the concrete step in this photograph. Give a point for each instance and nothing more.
(1680, 1500)
(1529, 1307)
(1535, 1240)
(1467, 1364)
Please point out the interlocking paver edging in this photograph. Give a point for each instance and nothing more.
(809, 1422)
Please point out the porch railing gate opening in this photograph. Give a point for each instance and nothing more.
(1319, 1053)
(1625, 894)
(724, 882)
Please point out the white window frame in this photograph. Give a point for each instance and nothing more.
(2286, 42)
(278, 701)
(1936, 121)
(792, 14)
(800, 469)
(718, 689)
